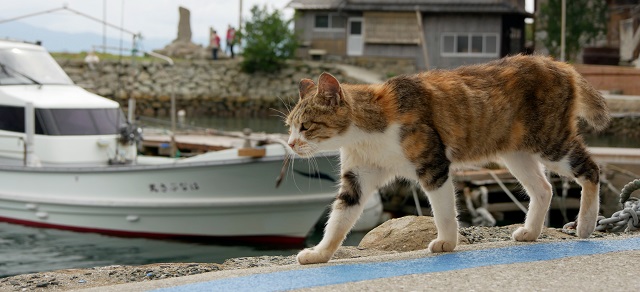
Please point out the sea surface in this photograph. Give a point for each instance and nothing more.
(27, 249)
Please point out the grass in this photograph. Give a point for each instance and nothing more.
(112, 57)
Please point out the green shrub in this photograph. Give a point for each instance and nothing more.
(268, 41)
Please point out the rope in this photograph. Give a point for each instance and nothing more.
(625, 220)
(480, 216)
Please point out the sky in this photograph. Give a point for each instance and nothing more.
(154, 19)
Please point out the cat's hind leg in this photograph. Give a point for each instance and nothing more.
(357, 185)
(529, 172)
(577, 164)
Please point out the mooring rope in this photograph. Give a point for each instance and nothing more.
(624, 220)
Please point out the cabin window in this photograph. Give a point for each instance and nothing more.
(81, 121)
(469, 45)
(12, 119)
(330, 21)
(56, 122)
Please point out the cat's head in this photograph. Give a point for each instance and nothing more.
(320, 118)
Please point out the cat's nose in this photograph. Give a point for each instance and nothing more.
(292, 144)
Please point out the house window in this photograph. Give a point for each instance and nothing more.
(330, 21)
(469, 45)
(322, 21)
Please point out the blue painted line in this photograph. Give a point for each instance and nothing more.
(339, 274)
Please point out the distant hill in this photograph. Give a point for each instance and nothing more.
(56, 41)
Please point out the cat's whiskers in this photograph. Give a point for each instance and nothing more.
(280, 114)
(314, 167)
(293, 173)
(287, 106)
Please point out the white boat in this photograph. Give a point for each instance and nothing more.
(67, 161)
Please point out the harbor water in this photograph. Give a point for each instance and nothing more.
(27, 249)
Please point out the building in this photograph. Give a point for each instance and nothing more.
(623, 29)
(455, 32)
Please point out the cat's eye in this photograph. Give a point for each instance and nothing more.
(305, 126)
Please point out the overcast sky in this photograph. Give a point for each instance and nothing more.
(155, 19)
(152, 18)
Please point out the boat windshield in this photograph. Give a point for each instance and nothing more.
(30, 66)
(57, 122)
(103, 121)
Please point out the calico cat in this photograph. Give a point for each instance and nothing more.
(523, 110)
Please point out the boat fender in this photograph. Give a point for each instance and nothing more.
(252, 152)
(133, 218)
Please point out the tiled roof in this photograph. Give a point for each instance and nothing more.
(452, 6)
(315, 4)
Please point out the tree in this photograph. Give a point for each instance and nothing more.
(586, 20)
(268, 41)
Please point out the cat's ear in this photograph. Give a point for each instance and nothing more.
(305, 86)
(329, 91)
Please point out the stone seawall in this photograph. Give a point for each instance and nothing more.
(220, 88)
(202, 87)
(622, 125)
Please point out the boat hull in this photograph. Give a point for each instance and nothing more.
(231, 198)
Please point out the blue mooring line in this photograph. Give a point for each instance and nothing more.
(345, 273)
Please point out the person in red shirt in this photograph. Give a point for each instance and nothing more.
(231, 39)
(214, 43)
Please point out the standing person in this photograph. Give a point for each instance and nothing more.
(214, 43)
(91, 60)
(231, 39)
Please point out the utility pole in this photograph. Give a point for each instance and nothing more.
(104, 26)
(240, 18)
(563, 25)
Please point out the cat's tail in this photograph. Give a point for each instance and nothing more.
(592, 106)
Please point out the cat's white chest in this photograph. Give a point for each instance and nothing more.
(379, 150)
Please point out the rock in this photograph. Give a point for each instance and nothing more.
(408, 233)
(182, 46)
(42, 284)
(184, 25)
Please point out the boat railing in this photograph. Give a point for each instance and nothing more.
(20, 140)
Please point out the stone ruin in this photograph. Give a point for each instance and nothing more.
(182, 46)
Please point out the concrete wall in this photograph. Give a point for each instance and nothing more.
(620, 80)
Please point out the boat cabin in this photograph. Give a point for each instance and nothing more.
(70, 124)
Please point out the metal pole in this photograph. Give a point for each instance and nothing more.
(32, 14)
(30, 130)
(104, 26)
(131, 109)
(563, 25)
(240, 18)
(174, 147)
(423, 42)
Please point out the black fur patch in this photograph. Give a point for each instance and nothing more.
(434, 173)
(351, 192)
(583, 166)
(432, 167)
(409, 92)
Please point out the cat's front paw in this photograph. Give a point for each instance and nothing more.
(524, 234)
(311, 256)
(440, 245)
(585, 228)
